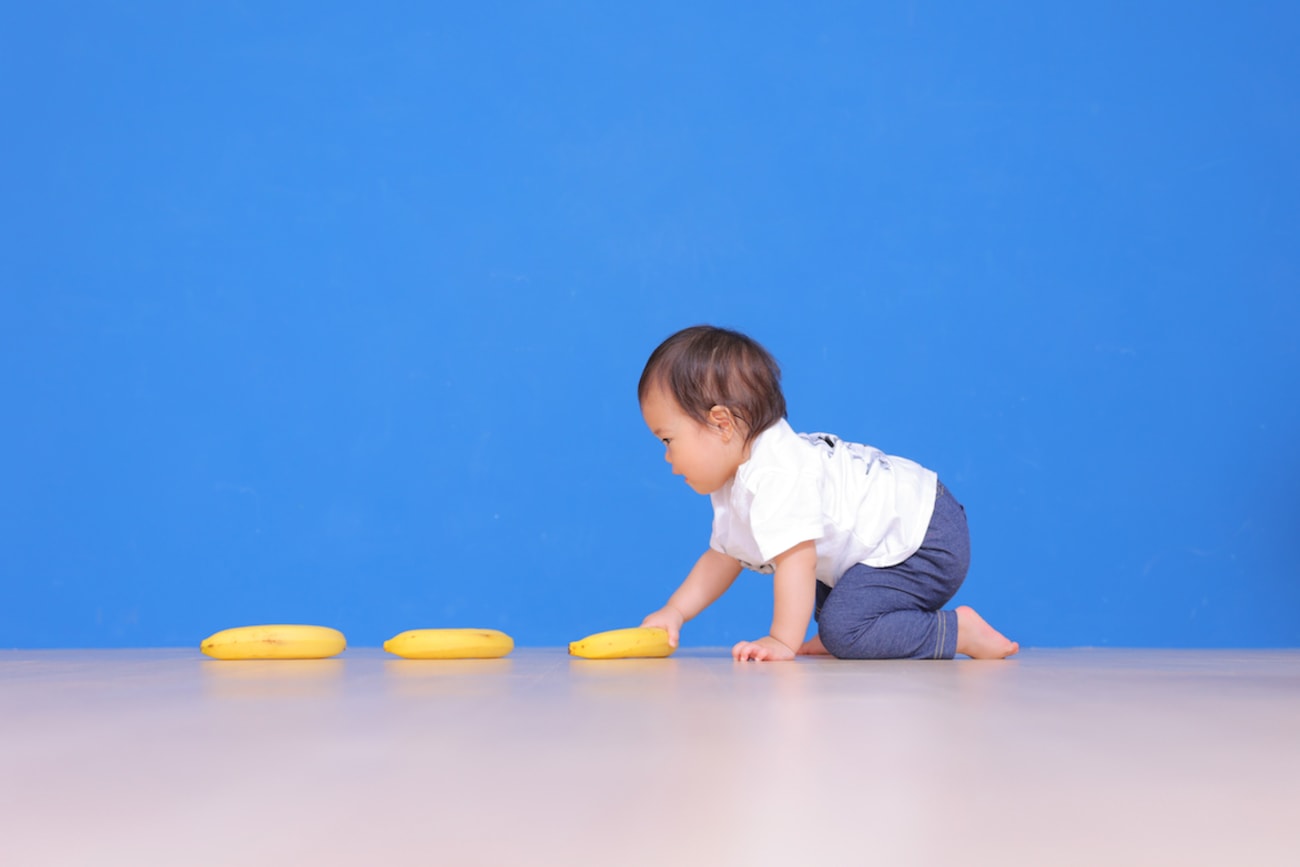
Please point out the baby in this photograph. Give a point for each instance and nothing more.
(870, 544)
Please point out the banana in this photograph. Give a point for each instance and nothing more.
(450, 644)
(274, 641)
(624, 644)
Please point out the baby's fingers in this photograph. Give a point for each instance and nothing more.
(666, 624)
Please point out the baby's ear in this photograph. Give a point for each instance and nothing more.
(724, 420)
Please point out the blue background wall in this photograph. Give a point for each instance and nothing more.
(318, 314)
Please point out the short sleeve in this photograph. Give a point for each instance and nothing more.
(786, 510)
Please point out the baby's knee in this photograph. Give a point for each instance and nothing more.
(839, 633)
(856, 642)
(849, 633)
(837, 644)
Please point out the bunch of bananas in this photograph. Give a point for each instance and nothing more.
(295, 641)
(298, 641)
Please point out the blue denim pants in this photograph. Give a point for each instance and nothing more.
(894, 613)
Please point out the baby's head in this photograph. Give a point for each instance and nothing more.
(703, 368)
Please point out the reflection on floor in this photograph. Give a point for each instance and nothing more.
(1056, 757)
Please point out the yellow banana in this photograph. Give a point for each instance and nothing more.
(450, 644)
(274, 641)
(624, 644)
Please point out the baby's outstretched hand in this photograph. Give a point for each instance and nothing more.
(766, 649)
(668, 618)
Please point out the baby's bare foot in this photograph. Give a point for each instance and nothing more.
(814, 647)
(978, 640)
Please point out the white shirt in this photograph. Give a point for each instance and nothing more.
(857, 503)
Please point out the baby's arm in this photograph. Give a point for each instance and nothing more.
(714, 572)
(794, 590)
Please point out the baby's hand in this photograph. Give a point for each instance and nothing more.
(766, 649)
(668, 618)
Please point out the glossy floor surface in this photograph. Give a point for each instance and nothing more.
(1056, 757)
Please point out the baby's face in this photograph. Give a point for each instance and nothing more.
(706, 455)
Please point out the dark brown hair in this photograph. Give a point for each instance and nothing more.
(703, 367)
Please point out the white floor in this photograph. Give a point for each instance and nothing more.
(1056, 757)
